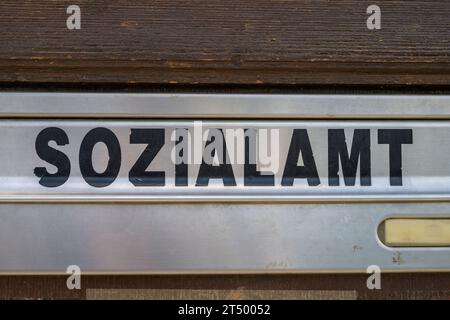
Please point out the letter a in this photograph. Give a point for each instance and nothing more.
(374, 21)
(73, 22)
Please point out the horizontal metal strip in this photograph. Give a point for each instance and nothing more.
(309, 161)
(210, 238)
(237, 106)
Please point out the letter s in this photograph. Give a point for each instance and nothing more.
(52, 156)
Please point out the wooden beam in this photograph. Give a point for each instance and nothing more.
(267, 42)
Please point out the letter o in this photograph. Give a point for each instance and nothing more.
(107, 177)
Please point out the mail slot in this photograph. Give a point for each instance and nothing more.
(415, 232)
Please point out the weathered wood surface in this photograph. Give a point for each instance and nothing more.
(226, 42)
(394, 286)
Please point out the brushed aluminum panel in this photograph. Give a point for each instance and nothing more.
(124, 229)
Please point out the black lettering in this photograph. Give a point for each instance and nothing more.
(181, 169)
(395, 138)
(154, 138)
(253, 177)
(222, 171)
(300, 143)
(337, 148)
(92, 177)
(52, 156)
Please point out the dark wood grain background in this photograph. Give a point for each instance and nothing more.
(394, 286)
(226, 42)
(261, 44)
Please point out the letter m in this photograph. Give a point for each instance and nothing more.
(360, 152)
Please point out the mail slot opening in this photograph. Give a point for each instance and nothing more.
(415, 232)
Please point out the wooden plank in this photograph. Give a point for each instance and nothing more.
(226, 42)
(208, 294)
(394, 286)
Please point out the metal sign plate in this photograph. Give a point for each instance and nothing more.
(217, 194)
(78, 160)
